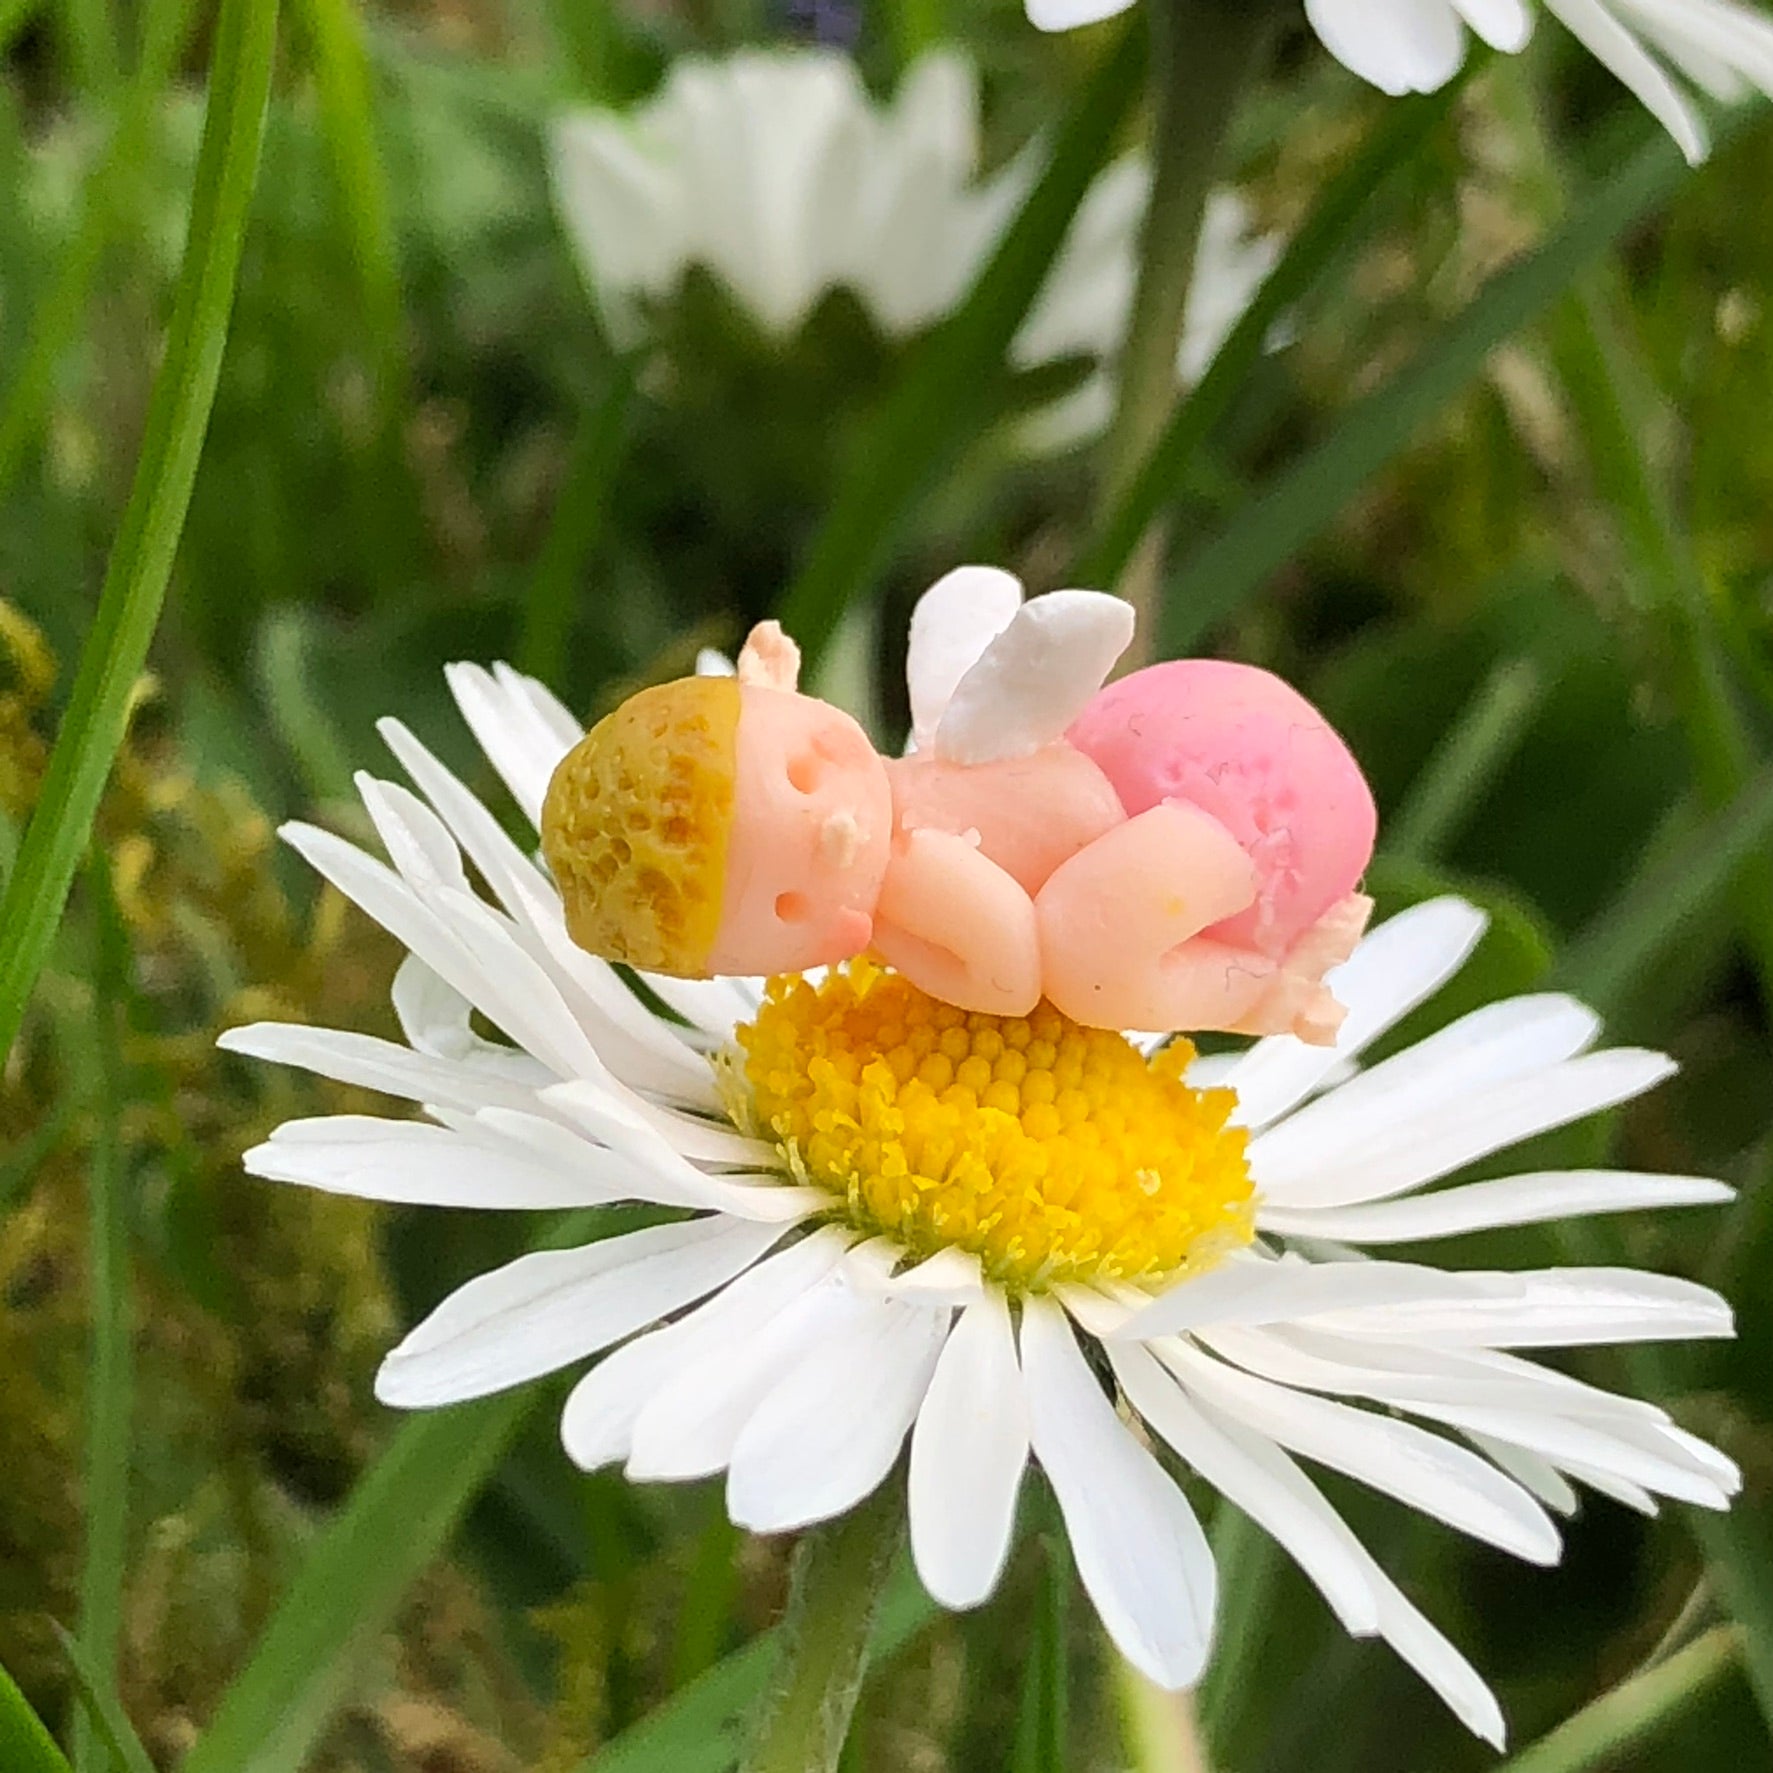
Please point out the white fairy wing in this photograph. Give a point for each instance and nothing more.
(954, 622)
(1035, 677)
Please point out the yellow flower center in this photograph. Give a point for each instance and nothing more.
(1052, 1151)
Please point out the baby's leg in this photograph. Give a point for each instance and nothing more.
(1120, 926)
(957, 926)
(1297, 1001)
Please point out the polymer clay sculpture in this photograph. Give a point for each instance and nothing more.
(1177, 850)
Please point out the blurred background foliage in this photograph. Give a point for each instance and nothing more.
(1543, 619)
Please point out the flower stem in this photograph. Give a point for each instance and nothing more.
(1203, 53)
(834, 1594)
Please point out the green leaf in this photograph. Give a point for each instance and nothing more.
(398, 1519)
(1305, 499)
(1632, 1712)
(936, 407)
(98, 1696)
(25, 1745)
(1040, 1725)
(141, 559)
(700, 1729)
(1403, 127)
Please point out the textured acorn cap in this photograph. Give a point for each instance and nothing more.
(635, 826)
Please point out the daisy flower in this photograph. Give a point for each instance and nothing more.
(776, 171)
(1658, 48)
(999, 1241)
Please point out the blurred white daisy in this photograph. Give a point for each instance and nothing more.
(1659, 48)
(776, 171)
(890, 1221)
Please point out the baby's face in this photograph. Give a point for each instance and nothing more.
(808, 844)
(710, 826)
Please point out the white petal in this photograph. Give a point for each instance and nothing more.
(629, 1131)
(1255, 1292)
(414, 1163)
(1557, 1308)
(1067, 15)
(1398, 45)
(523, 739)
(819, 1442)
(1514, 1038)
(689, 1427)
(1386, 1157)
(1140, 1552)
(1503, 24)
(512, 993)
(1404, 961)
(597, 1425)
(967, 1454)
(1532, 1473)
(1646, 1457)
(1513, 1200)
(1431, 1474)
(954, 621)
(1609, 41)
(1427, 1650)
(546, 1310)
(1260, 1479)
(1036, 677)
(376, 1065)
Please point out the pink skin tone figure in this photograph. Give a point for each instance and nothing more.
(1183, 857)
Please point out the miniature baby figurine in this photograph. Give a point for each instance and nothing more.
(1178, 850)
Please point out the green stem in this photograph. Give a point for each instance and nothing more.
(840, 1570)
(109, 1378)
(1203, 53)
(1161, 1730)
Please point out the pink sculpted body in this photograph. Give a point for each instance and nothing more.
(1181, 851)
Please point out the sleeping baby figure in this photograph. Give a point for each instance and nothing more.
(1177, 850)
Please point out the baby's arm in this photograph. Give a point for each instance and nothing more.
(957, 925)
(1120, 926)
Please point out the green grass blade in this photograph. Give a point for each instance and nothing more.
(1633, 1711)
(335, 37)
(110, 1372)
(1659, 907)
(1304, 499)
(701, 1728)
(58, 317)
(1403, 127)
(397, 1519)
(545, 636)
(932, 412)
(115, 1741)
(141, 559)
(1464, 764)
(25, 1745)
(1614, 401)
